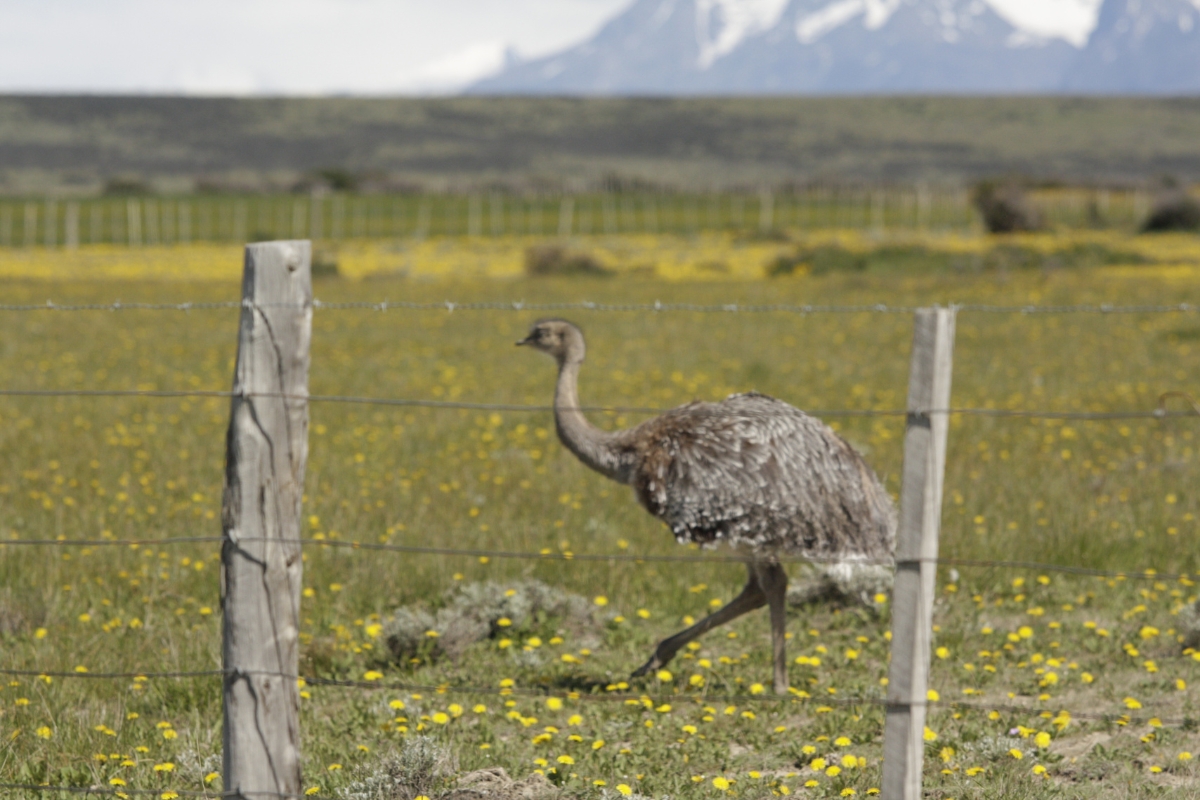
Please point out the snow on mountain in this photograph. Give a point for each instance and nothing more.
(867, 46)
(721, 25)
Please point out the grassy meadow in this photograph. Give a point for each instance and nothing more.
(1032, 656)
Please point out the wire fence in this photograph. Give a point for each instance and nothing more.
(1149, 573)
(597, 693)
(451, 306)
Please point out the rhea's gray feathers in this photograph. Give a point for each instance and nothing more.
(755, 472)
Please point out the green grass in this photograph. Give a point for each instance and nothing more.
(1114, 495)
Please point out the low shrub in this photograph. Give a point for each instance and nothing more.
(547, 260)
(1005, 208)
(475, 612)
(1176, 211)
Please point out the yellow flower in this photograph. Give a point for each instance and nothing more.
(44, 732)
(479, 708)
(166, 766)
(643, 613)
(596, 745)
(312, 790)
(833, 771)
(554, 703)
(372, 675)
(930, 735)
(441, 718)
(212, 776)
(116, 782)
(624, 789)
(397, 704)
(565, 759)
(1132, 703)
(757, 688)
(848, 792)
(600, 600)
(334, 767)
(1042, 740)
(1017, 754)
(40, 633)
(720, 783)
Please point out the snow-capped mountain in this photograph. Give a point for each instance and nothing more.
(1141, 47)
(860, 46)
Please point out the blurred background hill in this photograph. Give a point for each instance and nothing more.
(83, 145)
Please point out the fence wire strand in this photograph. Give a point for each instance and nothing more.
(1159, 412)
(451, 306)
(1148, 573)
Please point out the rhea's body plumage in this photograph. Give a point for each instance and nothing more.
(749, 471)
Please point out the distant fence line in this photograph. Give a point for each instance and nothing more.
(135, 221)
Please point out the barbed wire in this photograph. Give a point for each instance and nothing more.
(656, 307)
(1148, 573)
(1161, 412)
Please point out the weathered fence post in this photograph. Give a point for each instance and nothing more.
(266, 450)
(916, 552)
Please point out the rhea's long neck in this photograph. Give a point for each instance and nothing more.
(594, 447)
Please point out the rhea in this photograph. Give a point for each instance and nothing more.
(750, 471)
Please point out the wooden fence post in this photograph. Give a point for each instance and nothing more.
(266, 450)
(916, 552)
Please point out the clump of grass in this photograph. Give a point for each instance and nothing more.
(547, 260)
(1005, 208)
(421, 767)
(479, 611)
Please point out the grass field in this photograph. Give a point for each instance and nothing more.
(1034, 653)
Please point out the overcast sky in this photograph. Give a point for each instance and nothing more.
(321, 46)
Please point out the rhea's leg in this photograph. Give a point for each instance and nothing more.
(752, 597)
(773, 580)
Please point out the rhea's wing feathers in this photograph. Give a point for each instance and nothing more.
(753, 470)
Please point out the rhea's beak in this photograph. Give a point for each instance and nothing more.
(526, 340)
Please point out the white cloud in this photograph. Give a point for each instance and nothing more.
(275, 46)
(462, 67)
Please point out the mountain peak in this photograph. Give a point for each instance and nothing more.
(862, 46)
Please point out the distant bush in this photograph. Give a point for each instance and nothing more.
(830, 258)
(547, 260)
(1174, 211)
(124, 186)
(1005, 208)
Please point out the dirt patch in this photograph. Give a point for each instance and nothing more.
(494, 783)
(1077, 746)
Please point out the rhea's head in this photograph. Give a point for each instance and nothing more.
(558, 338)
